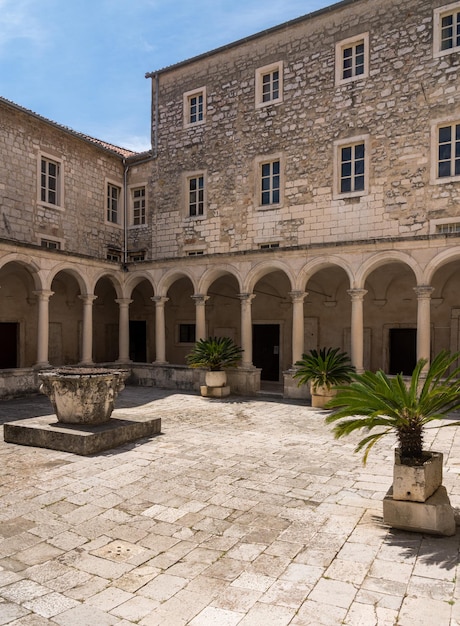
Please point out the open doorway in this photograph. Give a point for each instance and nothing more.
(403, 350)
(138, 341)
(9, 342)
(266, 350)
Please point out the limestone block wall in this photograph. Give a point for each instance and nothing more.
(78, 224)
(405, 92)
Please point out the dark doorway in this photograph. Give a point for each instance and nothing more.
(138, 341)
(9, 341)
(403, 350)
(266, 350)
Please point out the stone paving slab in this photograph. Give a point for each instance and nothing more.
(242, 512)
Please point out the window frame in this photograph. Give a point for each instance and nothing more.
(268, 70)
(132, 209)
(339, 145)
(188, 177)
(187, 106)
(435, 179)
(340, 47)
(59, 162)
(115, 184)
(438, 15)
(259, 163)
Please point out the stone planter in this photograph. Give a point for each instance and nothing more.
(216, 378)
(82, 395)
(320, 395)
(416, 483)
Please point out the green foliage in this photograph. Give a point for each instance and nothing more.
(326, 367)
(214, 353)
(373, 400)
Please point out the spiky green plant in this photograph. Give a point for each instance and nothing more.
(214, 353)
(326, 367)
(374, 400)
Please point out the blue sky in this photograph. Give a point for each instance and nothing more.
(82, 63)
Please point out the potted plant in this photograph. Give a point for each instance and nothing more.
(374, 400)
(323, 369)
(215, 354)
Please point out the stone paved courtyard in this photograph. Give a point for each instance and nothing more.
(242, 512)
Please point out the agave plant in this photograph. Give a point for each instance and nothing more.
(326, 367)
(373, 400)
(214, 353)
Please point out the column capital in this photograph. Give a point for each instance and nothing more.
(200, 299)
(88, 298)
(357, 294)
(44, 294)
(246, 297)
(423, 292)
(159, 300)
(298, 296)
(124, 301)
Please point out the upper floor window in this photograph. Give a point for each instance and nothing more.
(448, 160)
(113, 203)
(196, 195)
(138, 206)
(50, 177)
(270, 183)
(195, 107)
(446, 30)
(352, 59)
(269, 84)
(351, 167)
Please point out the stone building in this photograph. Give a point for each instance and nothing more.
(302, 190)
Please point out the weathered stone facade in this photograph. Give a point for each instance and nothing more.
(295, 196)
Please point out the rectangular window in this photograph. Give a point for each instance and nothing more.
(50, 181)
(269, 84)
(352, 168)
(446, 37)
(194, 107)
(138, 204)
(352, 59)
(448, 161)
(452, 227)
(51, 245)
(196, 196)
(270, 183)
(113, 255)
(195, 253)
(187, 333)
(269, 246)
(113, 203)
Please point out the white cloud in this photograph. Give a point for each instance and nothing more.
(17, 21)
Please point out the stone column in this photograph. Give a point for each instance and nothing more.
(43, 327)
(87, 331)
(357, 328)
(298, 339)
(123, 330)
(200, 304)
(246, 327)
(160, 331)
(423, 321)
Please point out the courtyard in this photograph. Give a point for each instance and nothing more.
(242, 512)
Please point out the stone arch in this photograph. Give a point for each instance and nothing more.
(383, 258)
(170, 277)
(262, 269)
(36, 273)
(212, 274)
(320, 263)
(134, 279)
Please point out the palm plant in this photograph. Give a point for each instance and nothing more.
(326, 367)
(214, 353)
(374, 400)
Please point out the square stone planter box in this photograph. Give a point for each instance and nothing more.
(416, 483)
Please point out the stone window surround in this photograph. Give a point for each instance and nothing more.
(348, 43)
(188, 95)
(435, 125)
(338, 145)
(179, 323)
(185, 193)
(258, 162)
(260, 73)
(438, 14)
(443, 221)
(131, 189)
(41, 237)
(120, 211)
(60, 190)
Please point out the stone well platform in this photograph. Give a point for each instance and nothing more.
(84, 439)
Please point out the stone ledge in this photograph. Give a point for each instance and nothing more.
(82, 439)
(435, 516)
